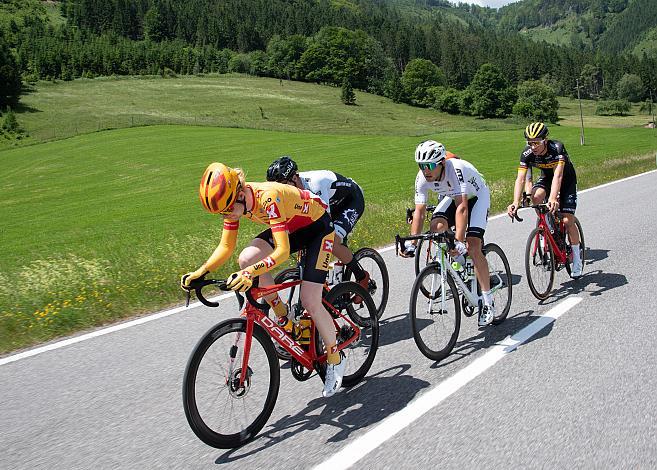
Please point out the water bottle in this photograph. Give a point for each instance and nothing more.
(305, 327)
(457, 265)
(338, 269)
(469, 268)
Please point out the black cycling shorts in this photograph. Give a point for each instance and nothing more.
(346, 214)
(567, 194)
(449, 214)
(317, 239)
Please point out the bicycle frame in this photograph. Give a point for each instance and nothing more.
(469, 292)
(561, 256)
(307, 358)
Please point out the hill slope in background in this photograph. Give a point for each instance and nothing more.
(612, 26)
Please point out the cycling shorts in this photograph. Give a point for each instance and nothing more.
(567, 194)
(347, 212)
(317, 239)
(477, 214)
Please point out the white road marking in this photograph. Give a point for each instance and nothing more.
(390, 426)
(166, 313)
(104, 331)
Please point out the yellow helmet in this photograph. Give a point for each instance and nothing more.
(219, 187)
(536, 130)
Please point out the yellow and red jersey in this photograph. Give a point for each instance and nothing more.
(284, 208)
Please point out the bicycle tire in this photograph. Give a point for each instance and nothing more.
(358, 363)
(582, 249)
(506, 278)
(379, 286)
(424, 253)
(422, 328)
(192, 388)
(539, 254)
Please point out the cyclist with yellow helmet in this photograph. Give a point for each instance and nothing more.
(558, 182)
(296, 219)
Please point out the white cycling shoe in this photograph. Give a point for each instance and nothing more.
(333, 379)
(486, 315)
(576, 269)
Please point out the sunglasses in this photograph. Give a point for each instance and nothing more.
(427, 166)
(534, 143)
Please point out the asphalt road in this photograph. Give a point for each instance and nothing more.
(578, 393)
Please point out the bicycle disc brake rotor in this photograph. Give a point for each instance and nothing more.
(235, 390)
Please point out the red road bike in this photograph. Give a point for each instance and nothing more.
(548, 251)
(232, 378)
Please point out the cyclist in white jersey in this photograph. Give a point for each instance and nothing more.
(464, 203)
(344, 198)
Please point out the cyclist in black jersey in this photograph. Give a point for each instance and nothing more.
(557, 183)
(343, 196)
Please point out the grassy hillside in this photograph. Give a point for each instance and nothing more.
(51, 111)
(99, 227)
(62, 109)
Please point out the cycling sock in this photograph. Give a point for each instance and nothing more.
(333, 356)
(488, 299)
(575, 252)
(356, 269)
(278, 307)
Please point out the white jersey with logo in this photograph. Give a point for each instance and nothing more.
(460, 178)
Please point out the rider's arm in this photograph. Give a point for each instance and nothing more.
(520, 184)
(556, 181)
(225, 248)
(418, 219)
(280, 254)
(461, 217)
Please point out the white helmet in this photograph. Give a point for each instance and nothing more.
(430, 151)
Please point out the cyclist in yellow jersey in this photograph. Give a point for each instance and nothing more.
(297, 219)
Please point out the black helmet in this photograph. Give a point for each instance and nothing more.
(536, 130)
(282, 170)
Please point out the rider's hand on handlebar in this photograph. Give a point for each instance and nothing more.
(553, 205)
(407, 250)
(512, 210)
(240, 281)
(185, 280)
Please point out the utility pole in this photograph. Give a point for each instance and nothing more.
(581, 116)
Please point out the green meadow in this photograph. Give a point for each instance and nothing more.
(100, 226)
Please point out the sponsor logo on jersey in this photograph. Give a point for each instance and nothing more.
(328, 245)
(272, 211)
(459, 175)
(306, 207)
(473, 182)
(269, 261)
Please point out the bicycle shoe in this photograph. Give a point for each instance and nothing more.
(486, 315)
(334, 374)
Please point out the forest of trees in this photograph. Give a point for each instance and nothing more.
(367, 44)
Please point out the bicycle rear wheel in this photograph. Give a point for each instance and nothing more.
(539, 264)
(501, 282)
(435, 319)
(379, 285)
(359, 354)
(220, 412)
(582, 249)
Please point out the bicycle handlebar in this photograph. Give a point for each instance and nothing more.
(447, 237)
(410, 211)
(197, 286)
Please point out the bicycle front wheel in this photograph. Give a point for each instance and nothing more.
(222, 413)
(425, 252)
(501, 282)
(539, 264)
(435, 318)
(379, 285)
(359, 354)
